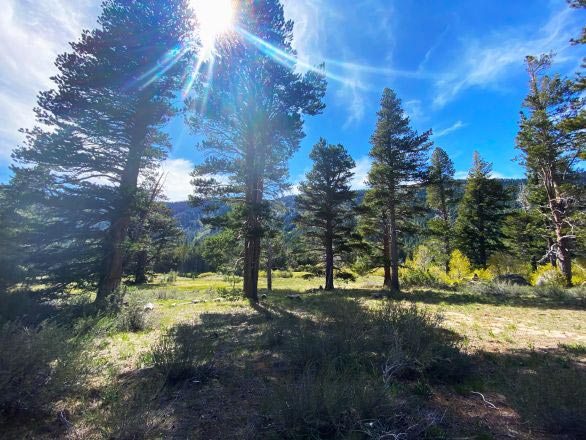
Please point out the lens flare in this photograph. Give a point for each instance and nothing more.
(215, 18)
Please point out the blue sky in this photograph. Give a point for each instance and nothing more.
(457, 65)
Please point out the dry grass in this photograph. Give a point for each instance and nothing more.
(520, 343)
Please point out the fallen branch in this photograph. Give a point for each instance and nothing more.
(492, 405)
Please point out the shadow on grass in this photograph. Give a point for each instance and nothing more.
(323, 367)
(546, 388)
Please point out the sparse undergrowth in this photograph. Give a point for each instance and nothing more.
(204, 364)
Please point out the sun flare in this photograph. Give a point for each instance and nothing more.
(215, 17)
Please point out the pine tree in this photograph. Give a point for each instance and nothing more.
(374, 227)
(399, 155)
(481, 214)
(153, 233)
(550, 152)
(252, 120)
(325, 203)
(577, 121)
(441, 198)
(98, 130)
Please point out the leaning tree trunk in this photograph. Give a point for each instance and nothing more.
(113, 259)
(329, 262)
(269, 266)
(387, 256)
(394, 250)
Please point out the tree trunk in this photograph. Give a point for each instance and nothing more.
(252, 241)
(387, 256)
(329, 262)
(552, 255)
(141, 267)
(251, 263)
(113, 260)
(564, 256)
(394, 250)
(269, 266)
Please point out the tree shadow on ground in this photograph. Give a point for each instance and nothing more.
(459, 298)
(546, 388)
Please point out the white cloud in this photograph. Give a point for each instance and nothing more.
(177, 179)
(455, 126)
(414, 109)
(361, 170)
(461, 175)
(33, 33)
(485, 63)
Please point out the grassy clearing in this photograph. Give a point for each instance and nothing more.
(205, 364)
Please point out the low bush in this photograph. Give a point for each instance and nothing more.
(170, 278)
(345, 276)
(303, 275)
(496, 288)
(183, 353)
(207, 275)
(32, 365)
(133, 317)
(345, 366)
(282, 274)
(412, 277)
(229, 294)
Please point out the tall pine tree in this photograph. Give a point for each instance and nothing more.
(441, 198)
(399, 156)
(374, 227)
(98, 130)
(481, 214)
(551, 153)
(252, 120)
(325, 202)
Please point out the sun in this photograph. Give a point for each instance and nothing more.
(215, 17)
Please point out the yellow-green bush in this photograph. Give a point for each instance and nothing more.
(579, 273)
(548, 275)
(460, 267)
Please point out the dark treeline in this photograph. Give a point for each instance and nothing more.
(84, 206)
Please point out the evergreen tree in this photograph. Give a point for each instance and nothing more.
(153, 234)
(399, 154)
(98, 130)
(481, 213)
(374, 227)
(252, 120)
(441, 198)
(550, 152)
(577, 121)
(325, 203)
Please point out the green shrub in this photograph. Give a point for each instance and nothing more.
(229, 294)
(411, 277)
(132, 317)
(183, 353)
(29, 367)
(345, 276)
(170, 278)
(303, 275)
(344, 366)
(282, 274)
